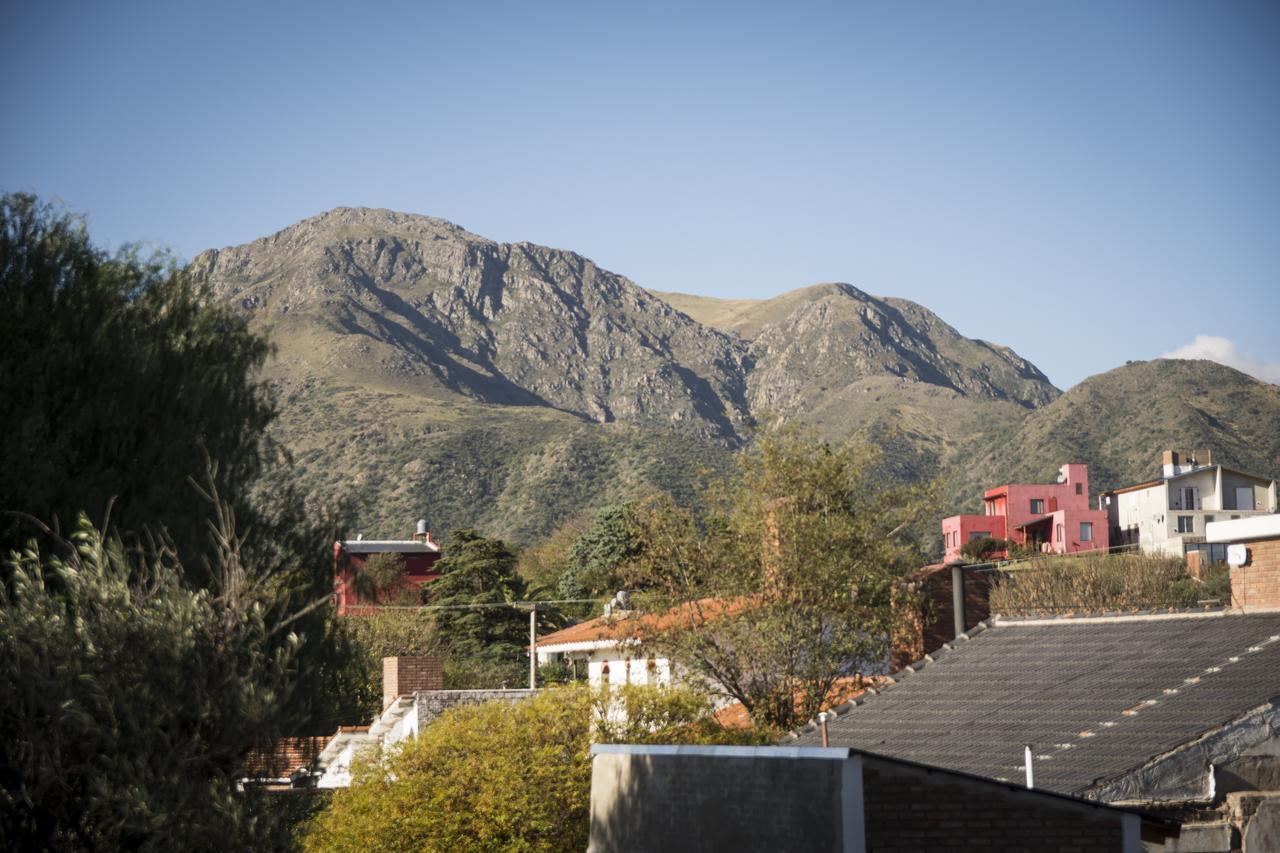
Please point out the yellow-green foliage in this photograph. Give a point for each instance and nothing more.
(1099, 582)
(499, 776)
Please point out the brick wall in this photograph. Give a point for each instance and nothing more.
(403, 676)
(433, 703)
(930, 623)
(909, 809)
(1258, 583)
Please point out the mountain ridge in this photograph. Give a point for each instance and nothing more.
(424, 368)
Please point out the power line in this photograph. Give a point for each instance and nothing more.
(480, 606)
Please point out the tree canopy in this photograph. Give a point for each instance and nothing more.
(785, 583)
(129, 700)
(499, 776)
(120, 378)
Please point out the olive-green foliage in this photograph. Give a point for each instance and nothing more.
(384, 633)
(119, 379)
(984, 547)
(542, 563)
(379, 574)
(491, 776)
(128, 699)
(496, 776)
(672, 715)
(480, 571)
(1093, 583)
(786, 583)
(595, 560)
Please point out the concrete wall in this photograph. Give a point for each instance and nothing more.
(675, 799)
(683, 800)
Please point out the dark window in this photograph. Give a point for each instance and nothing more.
(1078, 487)
(979, 534)
(1086, 531)
(1186, 524)
(1037, 506)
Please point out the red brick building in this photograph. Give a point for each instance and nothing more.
(418, 554)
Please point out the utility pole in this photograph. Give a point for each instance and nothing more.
(533, 648)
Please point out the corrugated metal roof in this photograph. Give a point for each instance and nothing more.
(1095, 698)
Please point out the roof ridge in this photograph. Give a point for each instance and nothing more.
(894, 679)
(1089, 617)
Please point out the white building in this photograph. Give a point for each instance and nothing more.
(605, 651)
(1168, 515)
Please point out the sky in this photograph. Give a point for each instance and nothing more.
(1087, 182)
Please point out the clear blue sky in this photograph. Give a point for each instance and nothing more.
(1087, 182)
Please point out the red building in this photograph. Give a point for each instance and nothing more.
(349, 556)
(1054, 515)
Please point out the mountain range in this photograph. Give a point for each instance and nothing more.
(426, 370)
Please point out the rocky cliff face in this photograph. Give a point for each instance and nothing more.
(836, 336)
(373, 294)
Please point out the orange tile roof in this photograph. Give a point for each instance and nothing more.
(623, 625)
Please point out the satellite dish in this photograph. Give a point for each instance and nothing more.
(1237, 555)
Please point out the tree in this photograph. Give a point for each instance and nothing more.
(596, 558)
(120, 377)
(478, 571)
(499, 776)
(129, 700)
(785, 583)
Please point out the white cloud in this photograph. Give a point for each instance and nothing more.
(1224, 351)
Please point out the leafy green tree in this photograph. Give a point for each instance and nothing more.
(785, 583)
(120, 377)
(128, 699)
(596, 558)
(498, 776)
(477, 571)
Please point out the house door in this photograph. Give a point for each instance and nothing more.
(1244, 497)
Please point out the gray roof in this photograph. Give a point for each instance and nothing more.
(1095, 698)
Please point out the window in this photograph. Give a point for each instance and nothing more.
(1186, 524)
(1086, 531)
(1061, 536)
(1244, 497)
(1190, 498)
(979, 534)
(1078, 487)
(1037, 506)
(1208, 518)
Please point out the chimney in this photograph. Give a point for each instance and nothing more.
(421, 534)
(406, 675)
(1175, 462)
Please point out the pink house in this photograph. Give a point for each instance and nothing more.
(1054, 515)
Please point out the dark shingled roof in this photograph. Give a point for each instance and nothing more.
(1094, 697)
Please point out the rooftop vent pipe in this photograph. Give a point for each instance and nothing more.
(957, 597)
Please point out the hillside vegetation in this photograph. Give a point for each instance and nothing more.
(426, 370)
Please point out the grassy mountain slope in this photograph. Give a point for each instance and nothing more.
(425, 370)
(1120, 421)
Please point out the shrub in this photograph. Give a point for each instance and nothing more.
(499, 776)
(1054, 585)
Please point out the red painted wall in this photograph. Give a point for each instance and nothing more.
(1068, 502)
(419, 571)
